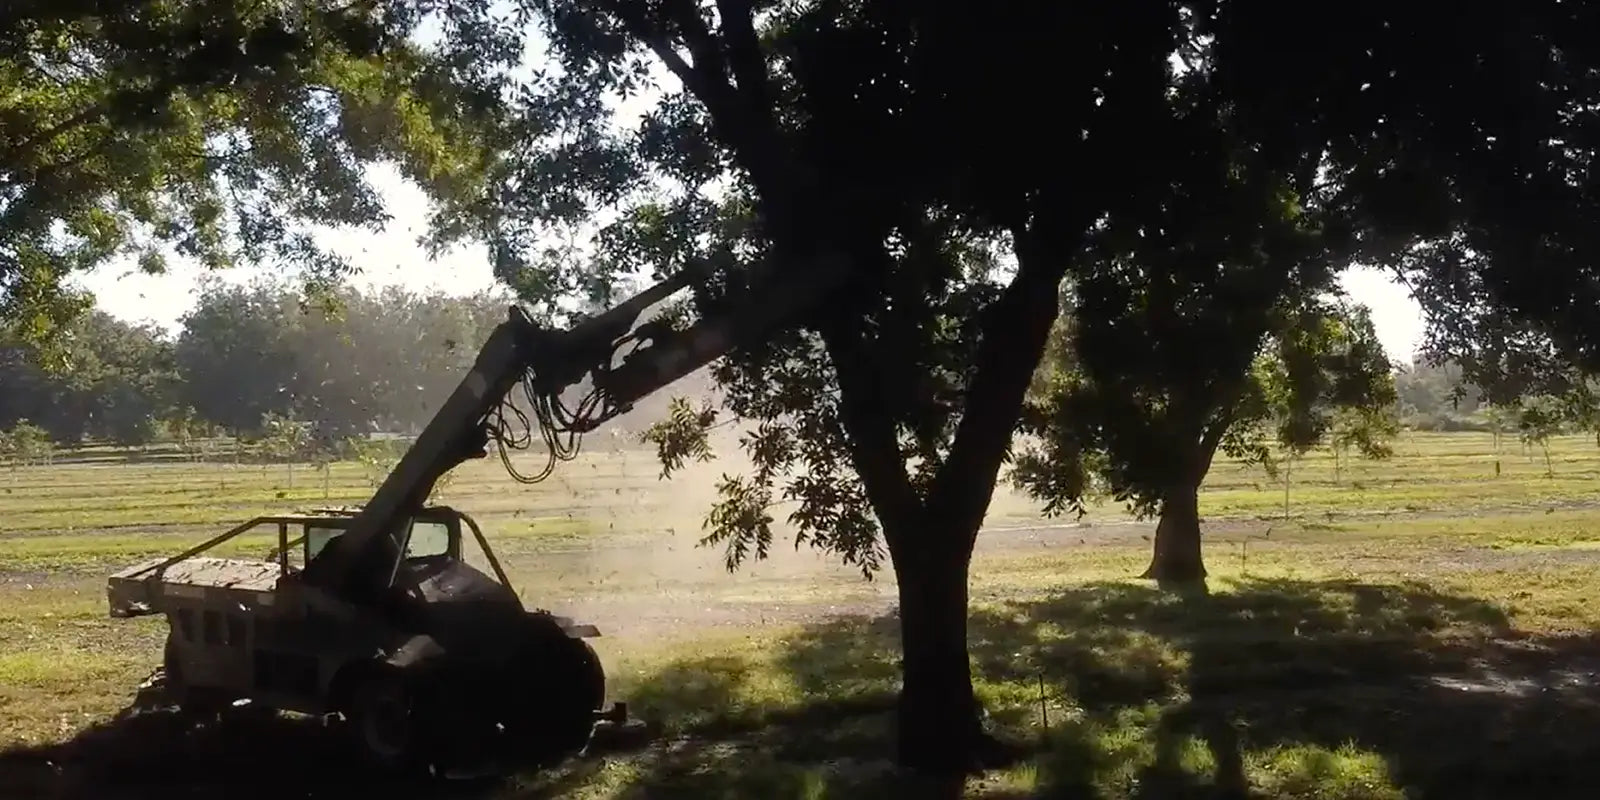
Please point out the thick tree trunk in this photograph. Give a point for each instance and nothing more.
(1177, 560)
(939, 728)
(930, 534)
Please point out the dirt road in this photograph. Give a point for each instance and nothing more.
(653, 588)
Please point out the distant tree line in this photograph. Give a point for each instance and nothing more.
(250, 359)
(1439, 398)
(297, 374)
(1436, 397)
(247, 359)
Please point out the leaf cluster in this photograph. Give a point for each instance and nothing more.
(214, 131)
(1467, 142)
(25, 443)
(786, 390)
(1318, 376)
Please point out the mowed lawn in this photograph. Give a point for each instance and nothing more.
(1420, 626)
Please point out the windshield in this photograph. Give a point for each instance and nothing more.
(318, 538)
(428, 539)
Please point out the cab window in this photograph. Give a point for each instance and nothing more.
(428, 539)
(317, 537)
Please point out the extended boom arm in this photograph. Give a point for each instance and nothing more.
(549, 362)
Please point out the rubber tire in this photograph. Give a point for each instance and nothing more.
(383, 725)
(577, 689)
(591, 677)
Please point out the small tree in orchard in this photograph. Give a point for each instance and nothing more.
(1198, 325)
(324, 451)
(285, 439)
(1332, 384)
(179, 425)
(30, 444)
(376, 456)
(1500, 420)
(1368, 432)
(1540, 418)
(25, 444)
(1581, 406)
(192, 432)
(1122, 434)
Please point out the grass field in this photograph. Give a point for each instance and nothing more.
(1416, 627)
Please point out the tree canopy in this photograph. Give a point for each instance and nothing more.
(1467, 139)
(214, 131)
(1198, 323)
(116, 389)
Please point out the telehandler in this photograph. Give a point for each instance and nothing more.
(371, 618)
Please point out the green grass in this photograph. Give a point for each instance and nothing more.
(76, 497)
(1292, 675)
(1301, 675)
(1429, 471)
(118, 512)
(77, 552)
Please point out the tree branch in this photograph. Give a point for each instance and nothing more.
(96, 112)
(23, 148)
(746, 125)
(691, 75)
(744, 50)
(1212, 438)
(1012, 341)
(702, 45)
(51, 170)
(874, 448)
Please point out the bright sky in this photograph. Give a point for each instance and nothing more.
(389, 258)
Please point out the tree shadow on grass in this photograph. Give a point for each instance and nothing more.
(811, 719)
(709, 704)
(1275, 688)
(1284, 687)
(158, 754)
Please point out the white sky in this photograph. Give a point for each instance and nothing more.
(389, 258)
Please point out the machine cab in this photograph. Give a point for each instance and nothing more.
(433, 535)
(431, 567)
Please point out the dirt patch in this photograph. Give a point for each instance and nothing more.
(1477, 559)
(639, 621)
(27, 579)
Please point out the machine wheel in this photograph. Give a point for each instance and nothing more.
(383, 721)
(575, 689)
(592, 680)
